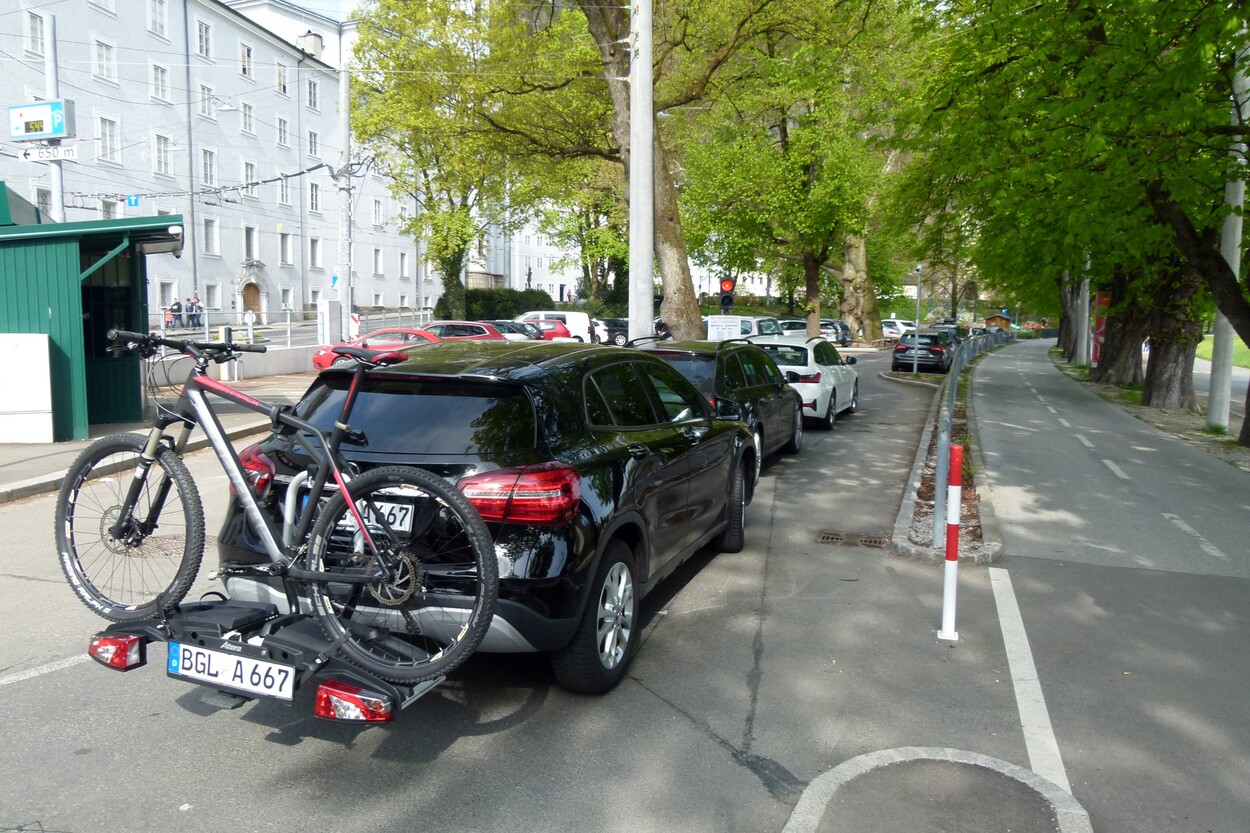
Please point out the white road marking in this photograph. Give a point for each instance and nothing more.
(1084, 441)
(1205, 545)
(1041, 398)
(1039, 736)
(43, 669)
(1064, 423)
(1116, 470)
(1051, 409)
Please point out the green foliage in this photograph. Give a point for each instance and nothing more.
(490, 304)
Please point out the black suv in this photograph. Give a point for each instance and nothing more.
(935, 352)
(598, 471)
(739, 375)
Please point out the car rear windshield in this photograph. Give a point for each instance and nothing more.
(787, 355)
(439, 416)
(925, 339)
(700, 371)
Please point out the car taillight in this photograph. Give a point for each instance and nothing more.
(899, 348)
(258, 468)
(546, 494)
(937, 350)
(811, 378)
(120, 651)
(343, 701)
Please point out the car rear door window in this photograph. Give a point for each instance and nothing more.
(680, 401)
(624, 395)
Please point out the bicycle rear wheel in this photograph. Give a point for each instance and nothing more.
(437, 599)
(149, 567)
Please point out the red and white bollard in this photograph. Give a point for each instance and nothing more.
(954, 493)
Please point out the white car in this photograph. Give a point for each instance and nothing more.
(601, 331)
(893, 328)
(825, 381)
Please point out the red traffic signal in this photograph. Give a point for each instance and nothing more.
(727, 292)
(726, 284)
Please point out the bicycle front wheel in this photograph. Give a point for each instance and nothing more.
(150, 565)
(411, 597)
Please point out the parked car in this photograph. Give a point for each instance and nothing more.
(600, 330)
(931, 350)
(517, 330)
(793, 326)
(391, 339)
(464, 330)
(740, 373)
(893, 328)
(552, 330)
(578, 323)
(618, 330)
(598, 471)
(826, 382)
(956, 332)
(837, 331)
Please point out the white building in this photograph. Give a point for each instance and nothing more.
(193, 107)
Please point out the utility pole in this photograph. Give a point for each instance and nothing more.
(641, 176)
(52, 88)
(1220, 392)
(915, 338)
(1082, 322)
(343, 179)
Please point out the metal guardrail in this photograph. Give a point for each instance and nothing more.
(964, 354)
(280, 324)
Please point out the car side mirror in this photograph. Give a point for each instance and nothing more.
(850, 360)
(726, 409)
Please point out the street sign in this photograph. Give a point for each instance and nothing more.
(41, 120)
(50, 153)
(721, 327)
(132, 200)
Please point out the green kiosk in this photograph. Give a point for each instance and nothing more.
(73, 282)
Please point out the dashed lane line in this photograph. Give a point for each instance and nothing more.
(1203, 544)
(1116, 470)
(1051, 409)
(1064, 423)
(1084, 441)
(31, 673)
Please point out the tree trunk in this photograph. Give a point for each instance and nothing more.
(1126, 326)
(1175, 330)
(1067, 321)
(859, 295)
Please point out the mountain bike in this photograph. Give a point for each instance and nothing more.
(394, 563)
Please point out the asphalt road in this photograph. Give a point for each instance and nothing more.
(1128, 553)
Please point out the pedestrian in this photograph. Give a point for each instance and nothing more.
(175, 311)
(199, 310)
(192, 310)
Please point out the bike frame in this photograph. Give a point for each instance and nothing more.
(194, 408)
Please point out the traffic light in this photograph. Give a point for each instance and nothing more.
(727, 293)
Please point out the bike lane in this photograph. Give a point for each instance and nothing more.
(1126, 549)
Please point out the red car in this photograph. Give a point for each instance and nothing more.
(392, 339)
(552, 329)
(463, 330)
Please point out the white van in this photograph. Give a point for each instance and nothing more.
(578, 323)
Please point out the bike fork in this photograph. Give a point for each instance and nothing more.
(125, 519)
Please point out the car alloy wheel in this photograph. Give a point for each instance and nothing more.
(615, 618)
(795, 445)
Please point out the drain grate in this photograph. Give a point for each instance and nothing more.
(855, 539)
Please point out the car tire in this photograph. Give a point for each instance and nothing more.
(795, 445)
(854, 407)
(831, 413)
(733, 537)
(619, 339)
(607, 637)
(341, 360)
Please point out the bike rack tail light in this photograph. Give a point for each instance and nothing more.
(119, 651)
(346, 702)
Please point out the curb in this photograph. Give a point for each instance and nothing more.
(45, 483)
(806, 815)
(900, 541)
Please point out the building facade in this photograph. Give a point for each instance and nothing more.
(192, 107)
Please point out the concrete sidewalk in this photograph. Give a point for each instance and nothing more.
(30, 469)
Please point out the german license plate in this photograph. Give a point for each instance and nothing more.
(219, 669)
(398, 516)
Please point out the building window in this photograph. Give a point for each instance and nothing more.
(208, 102)
(314, 95)
(167, 293)
(212, 296)
(286, 248)
(34, 33)
(108, 210)
(104, 65)
(403, 214)
(212, 243)
(286, 297)
(245, 60)
(208, 166)
(249, 179)
(377, 299)
(378, 213)
(314, 197)
(248, 124)
(314, 253)
(314, 295)
(43, 200)
(157, 17)
(162, 155)
(403, 301)
(314, 143)
(281, 81)
(251, 243)
(160, 83)
(284, 138)
(403, 268)
(377, 261)
(203, 39)
(107, 5)
(110, 147)
(284, 191)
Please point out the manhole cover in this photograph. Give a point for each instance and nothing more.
(877, 540)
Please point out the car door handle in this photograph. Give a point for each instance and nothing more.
(637, 451)
(696, 432)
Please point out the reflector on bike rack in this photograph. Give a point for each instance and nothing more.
(343, 701)
(120, 651)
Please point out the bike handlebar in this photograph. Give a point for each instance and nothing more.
(184, 346)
